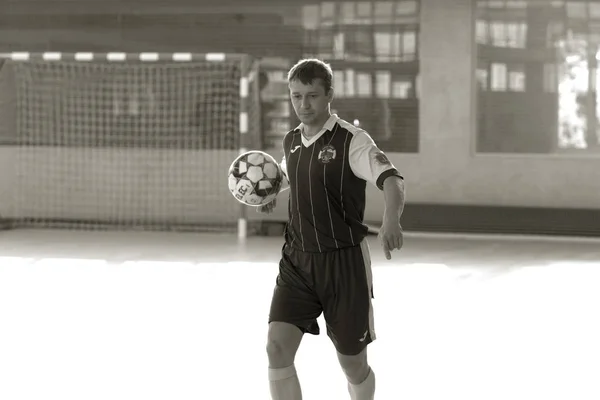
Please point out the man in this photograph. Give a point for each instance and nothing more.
(325, 265)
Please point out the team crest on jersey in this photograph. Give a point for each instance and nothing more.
(327, 154)
(381, 158)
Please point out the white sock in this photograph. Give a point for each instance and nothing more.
(364, 390)
(284, 383)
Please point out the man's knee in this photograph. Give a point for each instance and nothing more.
(355, 367)
(283, 341)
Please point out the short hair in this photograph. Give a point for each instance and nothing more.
(309, 69)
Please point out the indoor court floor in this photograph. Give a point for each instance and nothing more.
(181, 316)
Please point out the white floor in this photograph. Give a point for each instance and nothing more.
(138, 316)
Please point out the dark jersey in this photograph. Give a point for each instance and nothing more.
(328, 174)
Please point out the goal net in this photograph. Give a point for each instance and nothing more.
(124, 141)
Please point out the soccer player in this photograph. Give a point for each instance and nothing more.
(325, 264)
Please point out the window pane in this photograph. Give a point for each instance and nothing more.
(338, 83)
(497, 34)
(364, 12)
(338, 46)
(348, 15)
(409, 46)
(401, 89)
(482, 79)
(327, 13)
(359, 44)
(555, 31)
(350, 83)
(481, 31)
(311, 43)
(383, 81)
(310, 17)
(516, 35)
(383, 46)
(383, 12)
(498, 77)
(325, 43)
(406, 7)
(516, 79)
(522, 36)
(364, 84)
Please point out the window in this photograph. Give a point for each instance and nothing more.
(481, 31)
(482, 78)
(350, 84)
(310, 17)
(498, 77)
(395, 46)
(373, 46)
(328, 14)
(339, 84)
(384, 12)
(516, 78)
(325, 44)
(406, 7)
(347, 12)
(402, 88)
(364, 84)
(536, 80)
(387, 46)
(409, 46)
(364, 12)
(383, 84)
(359, 44)
(338, 46)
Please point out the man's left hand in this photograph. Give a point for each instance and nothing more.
(391, 236)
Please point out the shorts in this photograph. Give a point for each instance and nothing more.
(338, 284)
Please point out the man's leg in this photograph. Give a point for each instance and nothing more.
(361, 378)
(282, 344)
(349, 317)
(294, 311)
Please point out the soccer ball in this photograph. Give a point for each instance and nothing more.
(255, 178)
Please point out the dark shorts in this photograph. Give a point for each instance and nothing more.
(338, 284)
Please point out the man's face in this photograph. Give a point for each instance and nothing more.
(310, 102)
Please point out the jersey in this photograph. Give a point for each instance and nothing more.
(327, 174)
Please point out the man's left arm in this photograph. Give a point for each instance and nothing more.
(391, 229)
(370, 163)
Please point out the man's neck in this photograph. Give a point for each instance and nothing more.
(313, 129)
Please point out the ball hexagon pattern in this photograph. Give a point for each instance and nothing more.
(255, 178)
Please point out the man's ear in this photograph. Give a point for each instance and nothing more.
(330, 95)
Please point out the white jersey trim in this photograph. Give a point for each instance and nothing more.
(367, 161)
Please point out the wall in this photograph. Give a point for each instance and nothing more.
(447, 171)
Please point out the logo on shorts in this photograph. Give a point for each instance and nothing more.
(327, 154)
(362, 339)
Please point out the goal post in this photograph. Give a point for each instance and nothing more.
(125, 141)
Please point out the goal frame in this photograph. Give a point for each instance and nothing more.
(249, 76)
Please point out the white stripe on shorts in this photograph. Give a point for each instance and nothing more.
(366, 253)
